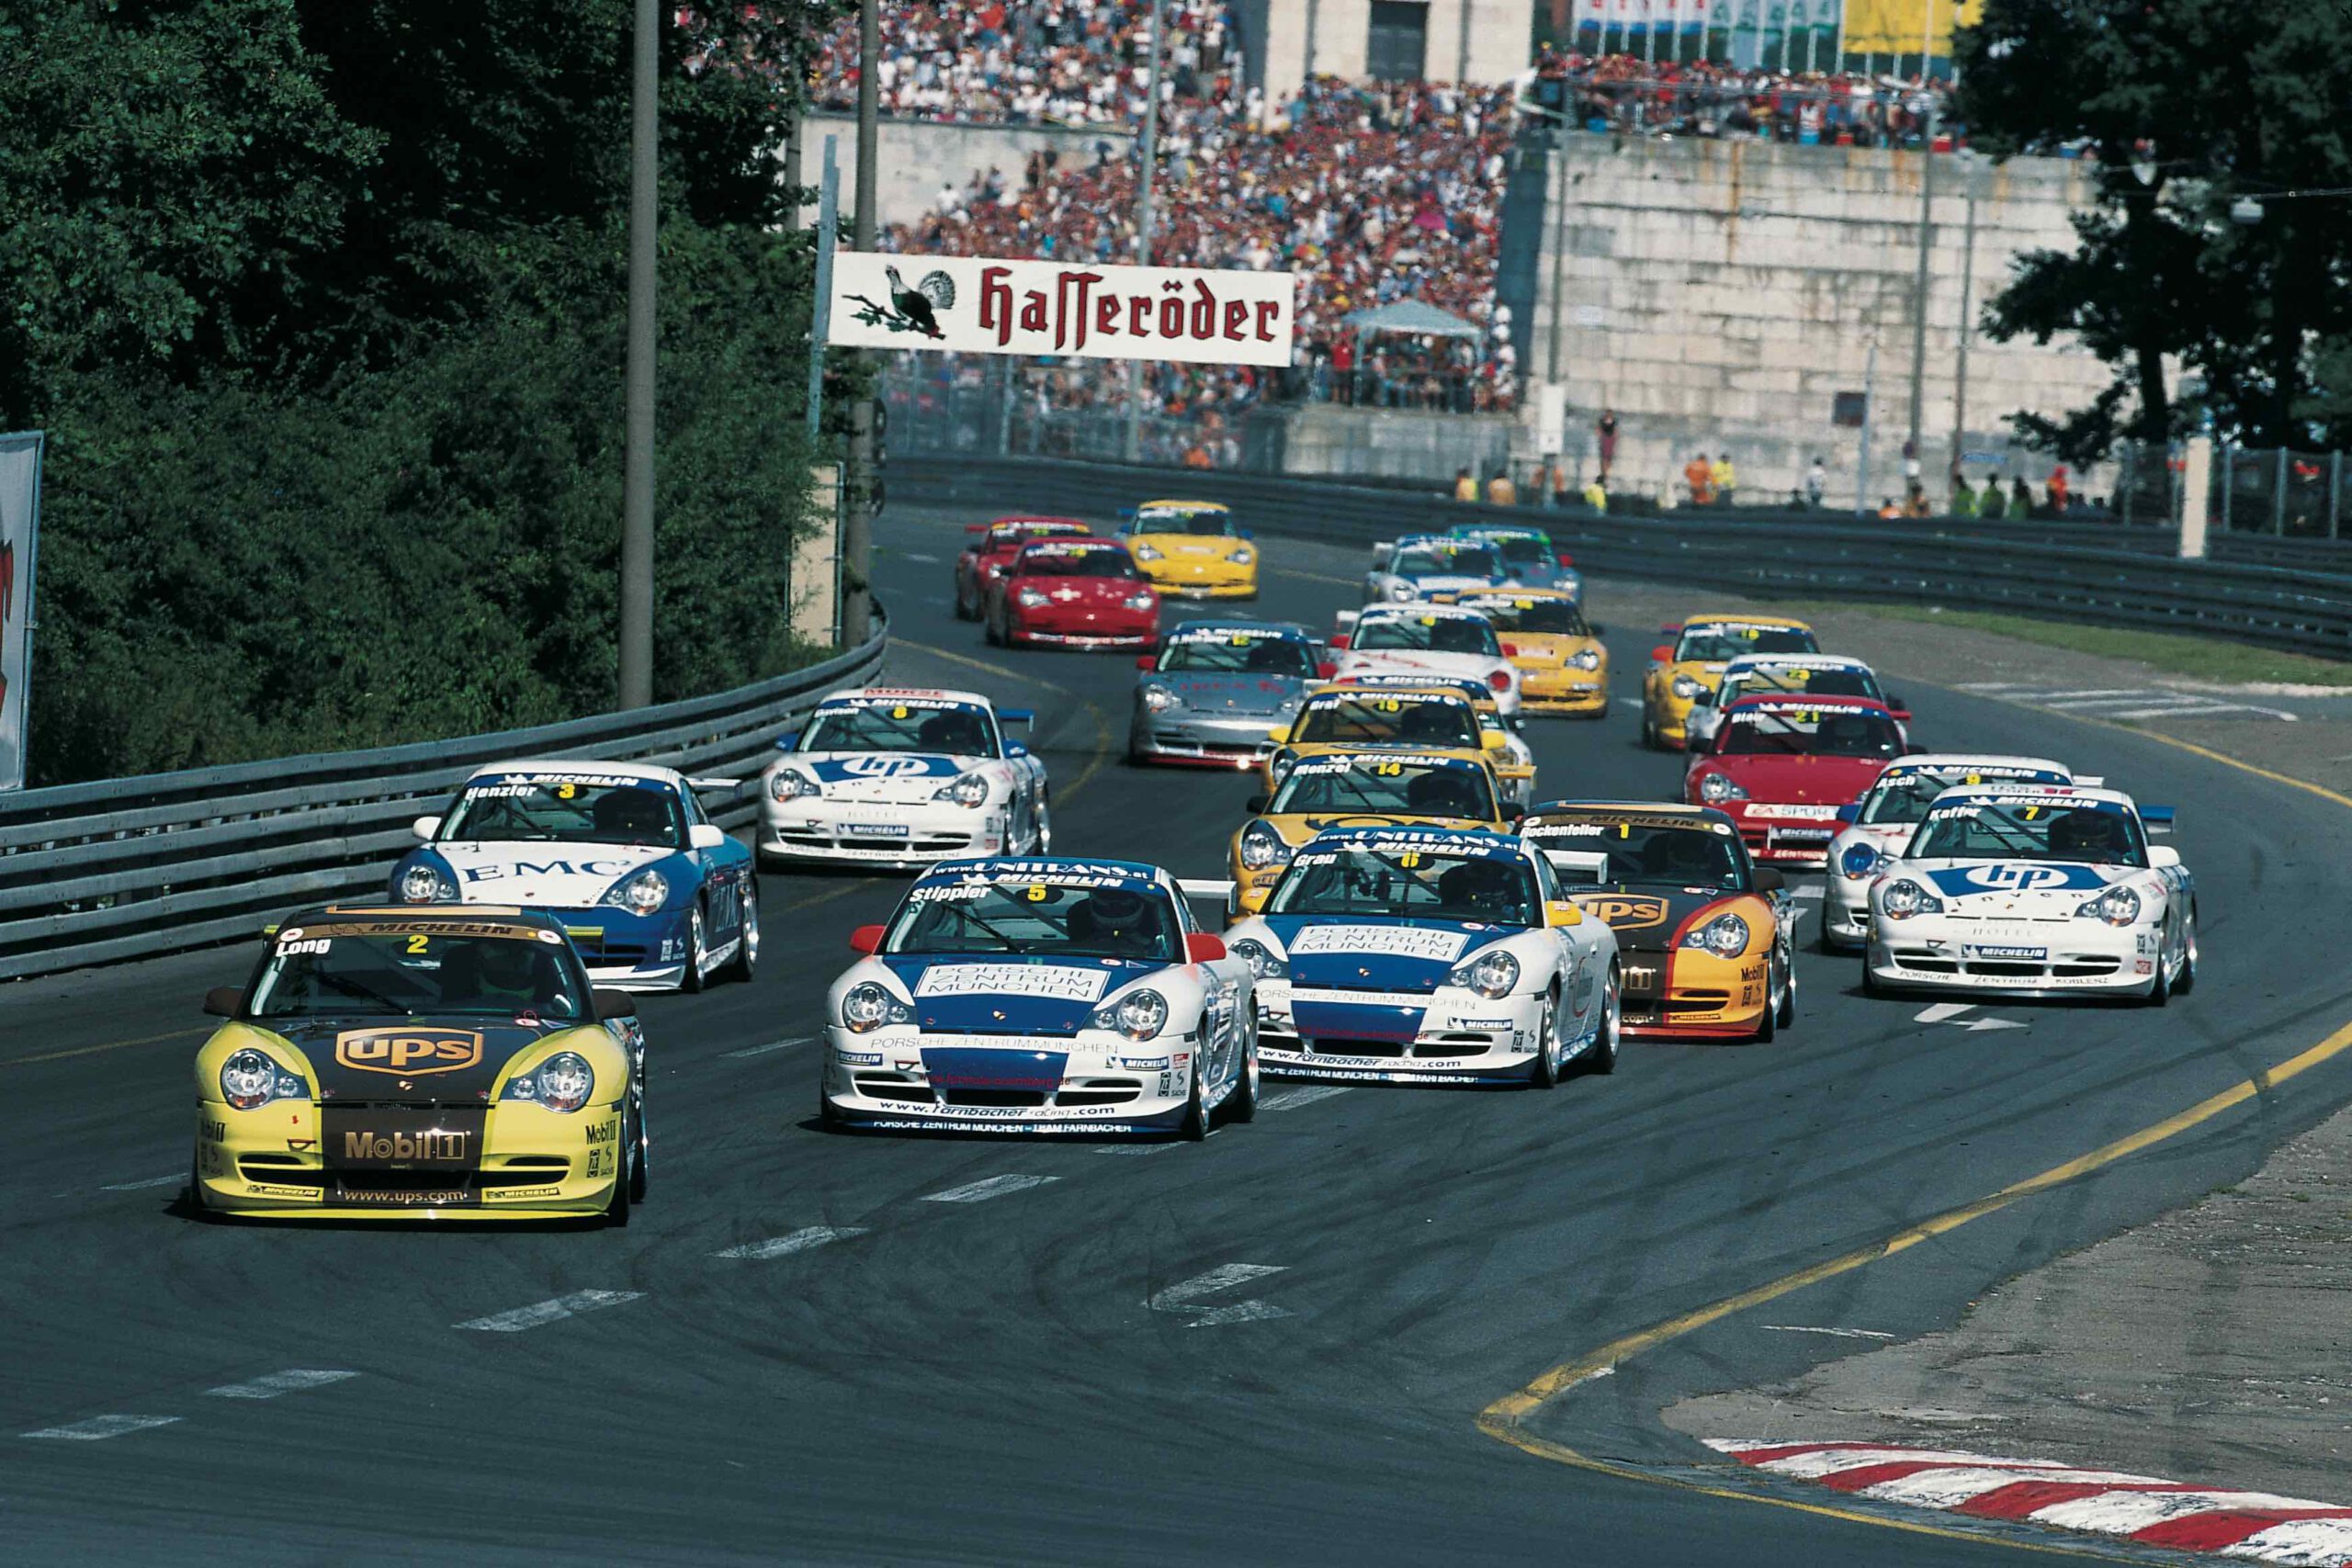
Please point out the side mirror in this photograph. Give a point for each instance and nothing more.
(1248, 535)
(613, 1004)
(1769, 880)
(2163, 857)
(1202, 948)
(425, 826)
(1279, 732)
(705, 836)
(1510, 651)
(1014, 748)
(1493, 741)
(1670, 631)
(1566, 559)
(1325, 669)
(1147, 661)
(1258, 804)
(1902, 715)
(1339, 644)
(865, 939)
(787, 740)
(1596, 629)
(1560, 912)
(224, 1001)
(1850, 813)
(1662, 654)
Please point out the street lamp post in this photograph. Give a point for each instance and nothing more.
(1147, 171)
(857, 510)
(636, 650)
(1920, 282)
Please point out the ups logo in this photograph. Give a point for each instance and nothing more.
(413, 1052)
(1624, 913)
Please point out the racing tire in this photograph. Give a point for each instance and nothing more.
(1649, 735)
(639, 1162)
(1195, 1126)
(1788, 1011)
(616, 1212)
(1544, 1071)
(1600, 1058)
(965, 611)
(989, 634)
(692, 980)
(1870, 987)
(2187, 981)
(747, 950)
(196, 1204)
(2159, 991)
(1241, 1105)
(1768, 1024)
(1042, 836)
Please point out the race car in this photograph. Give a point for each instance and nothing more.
(440, 1062)
(1358, 789)
(1073, 594)
(654, 895)
(1422, 564)
(983, 561)
(1041, 995)
(1528, 559)
(1805, 674)
(1429, 956)
(1782, 767)
(1426, 717)
(1695, 659)
(1507, 749)
(1563, 668)
(1882, 823)
(1211, 694)
(904, 776)
(1193, 549)
(2034, 890)
(1426, 639)
(1706, 936)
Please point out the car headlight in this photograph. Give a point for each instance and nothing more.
(563, 1082)
(1262, 848)
(1686, 688)
(2117, 906)
(1586, 659)
(1279, 765)
(791, 784)
(1264, 965)
(1716, 788)
(1400, 591)
(868, 1007)
(1904, 899)
(1242, 558)
(1032, 598)
(1147, 552)
(1139, 600)
(423, 884)
(249, 1078)
(1857, 862)
(1160, 699)
(1726, 936)
(1491, 974)
(1138, 1015)
(964, 789)
(640, 895)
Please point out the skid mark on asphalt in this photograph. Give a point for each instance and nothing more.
(547, 1311)
(1291, 1100)
(771, 1045)
(294, 1380)
(98, 1428)
(802, 1240)
(1180, 1297)
(2123, 702)
(993, 1187)
(1136, 1148)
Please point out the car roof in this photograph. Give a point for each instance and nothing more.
(1953, 762)
(1746, 662)
(1479, 840)
(472, 914)
(1332, 757)
(1046, 867)
(1194, 505)
(2086, 793)
(1464, 598)
(1764, 702)
(1495, 531)
(1289, 631)
(907, 693)
(1416, 608)
(582, 766)
(1676, 809)
(1746, 618)
(1416, 689)
(1028, 520)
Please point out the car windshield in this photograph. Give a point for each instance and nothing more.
(1715, 641)
(1126, 919)
(1428, 634)
(1902, 801)
(566, 808)
(1809, 732)
(1405, 881)
(899, 727)
(398, 969)
(1239, 653)
(1523, 550)
(1554, 617)
(2030, 828)
(1109, 561)
(1623, 853)
(1447, 560)
(1385, 786)
(1436, 722)
(1810, 682)
(1205, 521)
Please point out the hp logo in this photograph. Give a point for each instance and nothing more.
(885, 767)
(2016, 878)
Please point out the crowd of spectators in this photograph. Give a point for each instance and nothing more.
(1626, 95)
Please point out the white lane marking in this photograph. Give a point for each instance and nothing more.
(1944, 1013)
(1291, 1100)
(1810, 890)
(917, 555)
(99, 1428)
(1629, 701)
(1180, 1297)
(799, 1241)
(151, 1181)
(994, 1187)
(1834, 1332)
(294, 1380)
(1993, 686)
(2090, 692)
(2177, 710)
(1134, 1149)
(2299, 1540)
(1239, 1312)
(771, 1045)
(553, 1311)
(2129, 702)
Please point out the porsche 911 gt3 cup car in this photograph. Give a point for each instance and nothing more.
(653, 894)
(1782, 767)
(1041, 995)
(1882, 823)
(1426, 639)
(1695, 659)
(1422, 564)
(1528, 559)
(1193, 549)
(435, 1062)
(1563, 666)
(1425, 716)
(1215, 690)
(1507, 749)
(1784, 674)
(1359, 789)
(2034, 889)
(1429, 956)
(903, 776)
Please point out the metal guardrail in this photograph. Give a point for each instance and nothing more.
(2062, 571)
(123, 868)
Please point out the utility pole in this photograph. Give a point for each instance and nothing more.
(857, 509)
(1967, 304)
(1919, 284)
(1559, 156)
(1147, 176)
(636, 467)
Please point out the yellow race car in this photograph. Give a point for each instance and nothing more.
(1694, 660)
(1386, 716)
(1563, 668)
(423, 1062)
(1358, 789)
(1193, 549)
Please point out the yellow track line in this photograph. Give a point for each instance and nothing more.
(109, 1045)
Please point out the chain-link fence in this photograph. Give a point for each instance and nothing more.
(2279, 491)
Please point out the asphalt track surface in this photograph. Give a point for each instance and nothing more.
(986, 1380)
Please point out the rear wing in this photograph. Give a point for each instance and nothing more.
(1345, 621)
(2156, 819)
(730, 786)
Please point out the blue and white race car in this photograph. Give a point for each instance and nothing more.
(655, 896)
(1529, 558)
(1041, 995)
(1429, 956)
(1214, 691)
(1422, 564)
(904, 776)
(1874, 829)
(2035, 890)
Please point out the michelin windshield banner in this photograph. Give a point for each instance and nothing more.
(981, 305)
(20, 528)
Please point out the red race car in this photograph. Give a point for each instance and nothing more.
(1782, 766)
(984, 560)
(1073, 594)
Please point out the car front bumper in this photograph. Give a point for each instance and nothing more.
(2046, 958)
(1211, 580)
(1846, 910)
(854, 833)
(1444, 1037)
(1121, 628)
(1092, 1084)
(1687, 993)
(1564, 691)
(1184, 738)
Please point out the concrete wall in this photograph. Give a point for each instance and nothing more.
(1329, 438)
(919, 156)
(1719, 294)
(1494, 48)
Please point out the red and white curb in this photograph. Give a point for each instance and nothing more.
(2141, 1508)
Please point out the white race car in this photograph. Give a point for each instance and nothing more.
(1777, 674)
(1429, 956)
(2034, 889)
(1878, 825)
(1041, 995)
(903, 776)
(1422, 564)
(1426, 639)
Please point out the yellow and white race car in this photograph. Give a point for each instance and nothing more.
(1359, 789)
(1193, 549)
(1693, 661)
(1563, 668)
(1405, 713)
